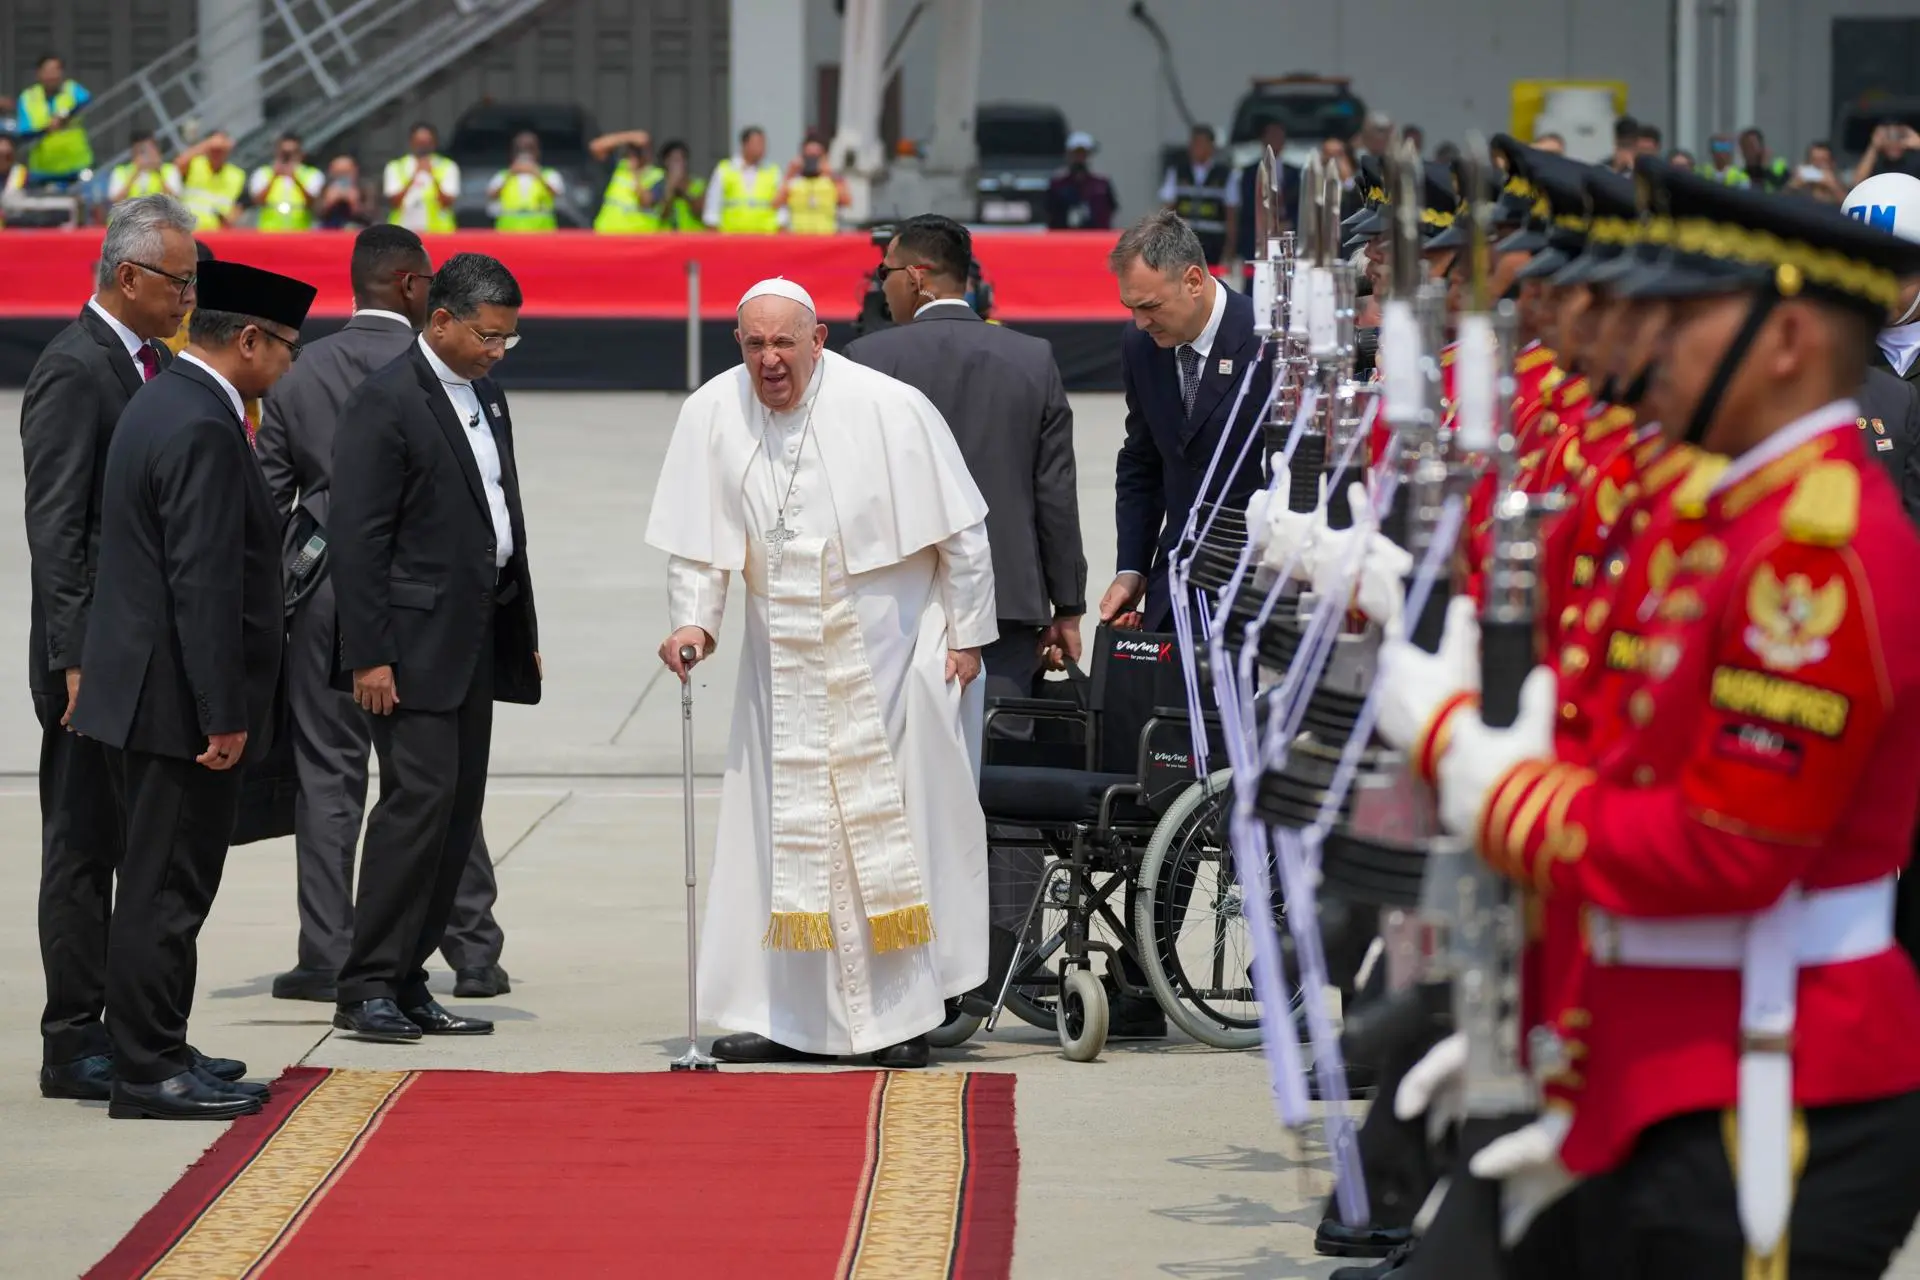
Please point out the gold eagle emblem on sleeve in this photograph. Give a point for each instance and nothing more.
(1790, 620)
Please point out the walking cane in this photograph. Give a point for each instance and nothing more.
(692, 1059)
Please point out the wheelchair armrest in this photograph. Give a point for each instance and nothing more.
(1053, 708)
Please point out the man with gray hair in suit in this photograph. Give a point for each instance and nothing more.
(143, 289)
(391, 274)
(1000, 392)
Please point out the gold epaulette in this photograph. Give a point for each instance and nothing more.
(1772, 478)
(1610, 422)
(1690, 499)
(1532, 360)
(1551, 379)
(1446, 355)
(1824, 509)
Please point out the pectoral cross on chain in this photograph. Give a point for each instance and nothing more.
(777, 539)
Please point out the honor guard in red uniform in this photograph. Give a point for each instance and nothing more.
(1738, 1080)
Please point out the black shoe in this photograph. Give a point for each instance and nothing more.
(1391, 1265)
(1336, 1239)
(88, 1079)
(245, 1088)
(186, 1096)
(1361, 1082)
(1135, 1018)
(481, 982)
(436, 1021)
(752, 1049)
(228, 1069)
(905, 1056)
(302, 983)
(377, 1020)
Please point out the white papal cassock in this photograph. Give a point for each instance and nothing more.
(847, 738)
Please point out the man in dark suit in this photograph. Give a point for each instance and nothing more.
(391, 274)
(1181, 366)
(1000, 392)
(74, 397)
(1890, 423)
(436, 622)
(182, 666)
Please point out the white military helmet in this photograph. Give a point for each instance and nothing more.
(1891, 202)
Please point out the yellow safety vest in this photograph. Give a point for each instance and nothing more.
(153, 182)
(620, 211)
(64, 151)
(285, 205)
(813, 206)
(526, 202)
(748, 210)
(211, 194)
(686, 212)
(439, 212)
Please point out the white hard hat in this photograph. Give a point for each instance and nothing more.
(1890, 201)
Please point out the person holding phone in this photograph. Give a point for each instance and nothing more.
(812, 193)
(1895, 148)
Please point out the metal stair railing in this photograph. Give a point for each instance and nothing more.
(336, 60)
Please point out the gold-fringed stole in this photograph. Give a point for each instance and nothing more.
(238, 1234)
(897, 930)
(1772, 1266)
(908, 1224)
(799, 931)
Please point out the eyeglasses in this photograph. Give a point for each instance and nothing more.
(293, 348)
(404, 276)
(504, 341)
(886, 270)
(186, 283)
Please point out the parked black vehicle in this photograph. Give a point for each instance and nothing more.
(1021, 148)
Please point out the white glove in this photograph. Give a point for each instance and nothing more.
(1381, 593)
(1337, 553)
(1477, 756)
(1435, 1086)
(1413, 682)
(1257, 519)
(1526, 1164)
(1288, 533)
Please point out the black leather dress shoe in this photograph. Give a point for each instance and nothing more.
(433, 1020)
(186, 1096)
(905, 1056)
(1393, 1264)
(377, 1020)
(752, 1049)
(87, 1079)
(244, 1088)
(219, 1068)
(1335, 1238)
(301, 983)
(481, 982)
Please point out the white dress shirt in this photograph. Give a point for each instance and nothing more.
(233, 397)
(1204, 343)
(1900, 344)
(486, 453)
(128, 337)
(382, 314)
(924, 307)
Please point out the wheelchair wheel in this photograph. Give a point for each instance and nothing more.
(1188, 917)
(1083, 1016)
(956, 1030)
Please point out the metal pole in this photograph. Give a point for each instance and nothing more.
(693, 325)
(1686, 75)
(1746, 63)
(692, 1059)
(1716, 64)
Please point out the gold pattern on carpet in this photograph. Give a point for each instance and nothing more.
(241, 1228)
(913, 1201)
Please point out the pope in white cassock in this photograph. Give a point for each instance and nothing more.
(848, 896)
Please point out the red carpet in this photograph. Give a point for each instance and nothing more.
(863, 1175)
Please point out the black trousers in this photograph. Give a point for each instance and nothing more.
(80, 847)
(1669, 1212)
(433, 782)
(179, 823)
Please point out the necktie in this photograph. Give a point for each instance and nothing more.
(149, 363)
(1189, 375)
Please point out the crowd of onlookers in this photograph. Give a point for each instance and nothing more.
(47, 173)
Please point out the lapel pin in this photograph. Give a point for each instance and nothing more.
(493, 409)
(1226, 366)
(1884, 446)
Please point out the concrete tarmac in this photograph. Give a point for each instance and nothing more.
(1156, 1160)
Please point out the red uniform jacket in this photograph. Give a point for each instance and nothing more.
(1767, 675)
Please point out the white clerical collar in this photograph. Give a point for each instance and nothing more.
(1203, 344)
(378, 313)
(1900, 345)
(1840, 413)
(128, 337)
(233, 396)
(940, 302)
(439, 367)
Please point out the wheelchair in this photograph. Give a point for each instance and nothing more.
(1136, 865)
